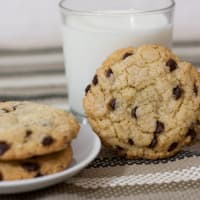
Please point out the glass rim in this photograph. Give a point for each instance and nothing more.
(66, 10)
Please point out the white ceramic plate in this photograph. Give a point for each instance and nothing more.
(85, 148)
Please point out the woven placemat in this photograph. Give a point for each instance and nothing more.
(108, 170)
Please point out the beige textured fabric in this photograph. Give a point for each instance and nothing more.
(47, 85)
(183, 191)
(188, 190)
(111, 171)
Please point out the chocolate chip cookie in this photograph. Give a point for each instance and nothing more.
(36, 167)
(28, 129)
(143, 102)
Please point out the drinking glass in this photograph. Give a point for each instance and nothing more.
(93, 29)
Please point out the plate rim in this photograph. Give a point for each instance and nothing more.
(96, 146)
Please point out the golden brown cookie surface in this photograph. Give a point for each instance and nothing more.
(143, 102)
(37, 166)
(28, 129)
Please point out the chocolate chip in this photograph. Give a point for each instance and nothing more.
(171, 64)
(195, 89)
(95, 80)
(14, 107)
(38, 175)
(119, 148)
(153, 142)
(3, 147)
(109, 72)
(177, 92)
(48, 140)
(34, 157)
(5, 110)
(130, 141)
(198, 122)
(172, 146)
(112, 104)
(87, 89)
(1, 176)
(127, 55)
(160, 127)
(133, 112)
(30, 166)
(191, 133)
(28, 133)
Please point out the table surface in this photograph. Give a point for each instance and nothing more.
(39, 76)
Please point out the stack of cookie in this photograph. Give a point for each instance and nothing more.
(34, 140)
(144, 102)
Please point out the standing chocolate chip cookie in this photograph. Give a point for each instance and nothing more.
(36, 167)
(144, 103)
(28, 129)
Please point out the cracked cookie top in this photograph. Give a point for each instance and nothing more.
(143, 102)
(29, 129)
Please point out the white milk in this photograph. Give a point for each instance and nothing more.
(88, 40)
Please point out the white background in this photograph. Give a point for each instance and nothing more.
(36, 23)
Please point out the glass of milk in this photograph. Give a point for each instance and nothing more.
(93, 29)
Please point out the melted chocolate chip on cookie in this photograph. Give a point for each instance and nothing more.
(195, 89)
(127, 55)
(109, 72)
(4, 147)
(38, 175)
(171, 64)
(30, 166)
(14, 107)
(118, 148)
(153, 142)
(160, 127)
(191, 133)
(95, 80)
(28, 133)
(112, 104)
(1, 176)
(177, 92)
(47, 141)
(133, 112)
(130, 141)
(172, 146)
(87, 89)
(5, 110)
